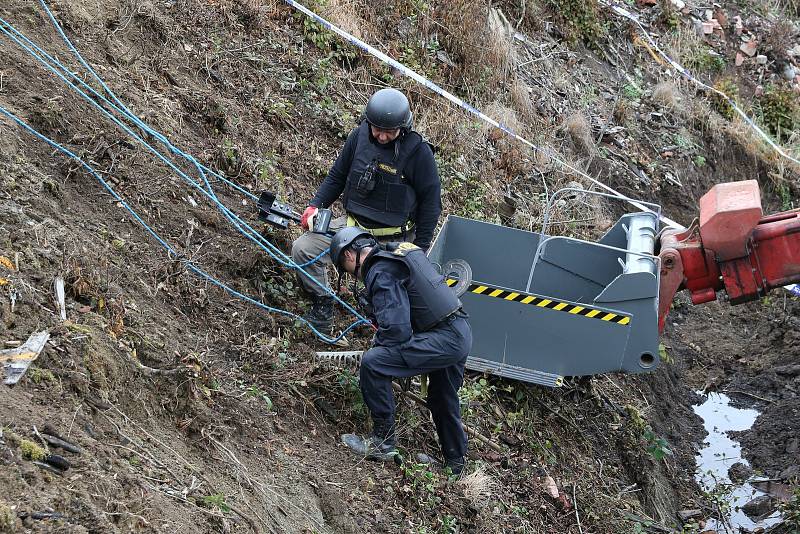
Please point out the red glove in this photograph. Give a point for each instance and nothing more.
(307, 220)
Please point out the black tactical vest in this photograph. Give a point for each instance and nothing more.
(430, 298)
(376, 188)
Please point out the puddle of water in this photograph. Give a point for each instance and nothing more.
(719, 453)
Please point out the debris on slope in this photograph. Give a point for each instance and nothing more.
(192, 409)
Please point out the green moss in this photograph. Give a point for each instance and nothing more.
(637, 420)
(38, 375)
(31, 451)
(78, 328)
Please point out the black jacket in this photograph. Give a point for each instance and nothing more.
(420, 174)
(405, 292)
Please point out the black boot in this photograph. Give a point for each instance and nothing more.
(320, 316)
(380, 445)
(452, 466)
(455, 465)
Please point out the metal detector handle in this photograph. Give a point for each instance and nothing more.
(322, 222)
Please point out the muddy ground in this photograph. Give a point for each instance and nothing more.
(755, 362)
(196, 412)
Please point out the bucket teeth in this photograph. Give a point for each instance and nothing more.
(341, 358)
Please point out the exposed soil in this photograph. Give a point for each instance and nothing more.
(198, 412)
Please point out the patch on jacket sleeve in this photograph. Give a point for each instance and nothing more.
(404, 248)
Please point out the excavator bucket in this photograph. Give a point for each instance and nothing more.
(546, 307)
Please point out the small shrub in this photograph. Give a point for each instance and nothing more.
(582, 21)
(657, 447)
(352, 392)
(7, 518)
(669, 16)
(780, 111)
(325, 39)
(694, 54)
(38, 375)
(632, 91)
(580, 131)
(216, 501)
(785, 195)
(704, 59)
(791, 512)
(779, 39)
(721, 104)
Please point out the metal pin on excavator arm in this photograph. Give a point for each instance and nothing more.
(732, 248)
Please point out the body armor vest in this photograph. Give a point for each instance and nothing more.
(376, 190)
(430, 297)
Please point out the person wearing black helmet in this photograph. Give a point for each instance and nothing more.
(421, 329)
(389, 185)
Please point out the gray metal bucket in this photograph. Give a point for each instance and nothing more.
(573, 308)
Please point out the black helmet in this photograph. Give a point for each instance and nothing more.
(351, 235)
(388, 109)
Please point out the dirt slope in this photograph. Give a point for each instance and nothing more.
(197, 412)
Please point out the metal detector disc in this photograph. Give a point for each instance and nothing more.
(460, 271)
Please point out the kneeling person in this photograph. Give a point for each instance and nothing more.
(421, 329)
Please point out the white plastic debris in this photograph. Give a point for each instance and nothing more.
(16, 361)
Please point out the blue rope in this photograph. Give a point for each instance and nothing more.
(190, 265)
(133, 118)
(261, 241)
(281, 257)
(120, 108)
(123, 108)
(314, 260)
(208, 190)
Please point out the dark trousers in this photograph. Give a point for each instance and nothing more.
(441, 353)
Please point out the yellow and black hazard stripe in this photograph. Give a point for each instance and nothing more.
(550, 304)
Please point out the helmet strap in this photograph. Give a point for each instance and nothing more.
(339, 280)
(358, 268)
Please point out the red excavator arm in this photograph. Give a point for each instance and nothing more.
(733, 248)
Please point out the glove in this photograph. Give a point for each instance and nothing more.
(307, 220)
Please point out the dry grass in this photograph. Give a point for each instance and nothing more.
(666, 95)
(521, 99)
(781, 8)
(580, 132)
(779, 39)
(738, 135)
(506, 116)
(444, 125)
(513, 157)
(500, 52)
(346, 15)
(778, 168)
(479, 41)
(477, 487)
